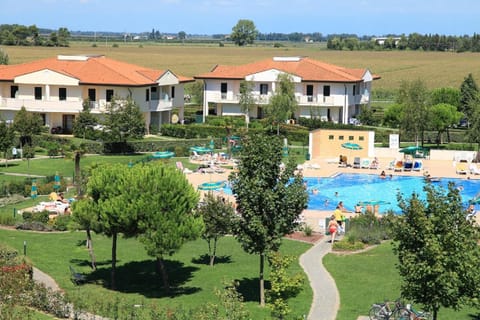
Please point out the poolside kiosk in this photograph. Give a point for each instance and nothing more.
(327, 143)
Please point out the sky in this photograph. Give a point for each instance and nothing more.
(361, 17)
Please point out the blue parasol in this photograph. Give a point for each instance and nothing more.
(163, 154)
(34, 192)
(57, 184)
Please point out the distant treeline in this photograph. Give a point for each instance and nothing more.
(414, 41)
(19, 35)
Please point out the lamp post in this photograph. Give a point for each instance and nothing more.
(24, 247)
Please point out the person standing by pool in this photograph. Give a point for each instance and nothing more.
(332, 228)
(337, 214)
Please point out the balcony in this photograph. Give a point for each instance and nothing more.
(315, 100)
(161, 105)
(41, 105)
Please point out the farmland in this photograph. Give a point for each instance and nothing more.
(436, 69)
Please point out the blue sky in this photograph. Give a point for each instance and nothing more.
(362, 17)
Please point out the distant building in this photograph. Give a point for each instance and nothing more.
(381, 40)
(56, 88)
(322, 90)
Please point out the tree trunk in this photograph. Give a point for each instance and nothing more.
(114, 260)
(262, 280)
(5, 157)
(90, 249)
(77, 172)
(212, 256)
(163, 272)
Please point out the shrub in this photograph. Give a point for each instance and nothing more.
(34, 225)
(36, 216)
(307, 230)
(60, 223)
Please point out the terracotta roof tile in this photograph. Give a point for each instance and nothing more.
(94, 70)
(305, 68)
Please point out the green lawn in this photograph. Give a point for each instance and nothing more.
(192, 279)
(369, 277)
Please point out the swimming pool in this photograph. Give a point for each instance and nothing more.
(354, 188)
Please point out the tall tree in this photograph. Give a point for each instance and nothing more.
(269, 199)
(468, 93)
(167, 219)
(3, 57)
(86, 218)
(244, 32)
(413, 97)
(218, 216)
(7, 138)
(113, 192)
(83, 125)
(123, 121)
(443, 116)
(283, 104)
(473, 133)
(27, 124)
(437, 250)
(445, 95)
(247, 100)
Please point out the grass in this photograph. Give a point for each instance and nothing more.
(371, 276)
(437, 69)
(193, 280)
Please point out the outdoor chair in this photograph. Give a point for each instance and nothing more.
(77, 278)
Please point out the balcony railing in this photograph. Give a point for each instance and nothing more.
(161, 105)
(41, 105)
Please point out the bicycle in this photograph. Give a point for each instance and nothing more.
(387, 310)
(409, 313)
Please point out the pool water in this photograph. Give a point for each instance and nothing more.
(354, 188)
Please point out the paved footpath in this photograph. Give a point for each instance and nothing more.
(326, 299)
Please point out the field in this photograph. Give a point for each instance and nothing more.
(437, 69)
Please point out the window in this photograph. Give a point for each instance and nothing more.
(330, 137)
(354, 87)
(62, 94)
(350, 138)
(223, 90)
(153, 93)
(38, 93)
(309, 92)
(361, 138)
(340, 137)
(109, 95)
(13, 91)
(326, 91)
(92, 95)
(172, 92)
(263, 88)
(147, 95)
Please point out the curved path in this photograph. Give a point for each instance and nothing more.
(326, 299)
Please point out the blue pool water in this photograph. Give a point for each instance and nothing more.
(354, 188)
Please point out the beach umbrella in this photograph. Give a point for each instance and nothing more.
(210, 186)
(56, 185)
(34, 192)
(163, 154)
(351, 146)
(373, 202)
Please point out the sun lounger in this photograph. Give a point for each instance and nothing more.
(398, 166)
(180, 167)
(365, 164)
(474, 169)
(461, 168)
(356, 162)
(417, 165)
(407, 166)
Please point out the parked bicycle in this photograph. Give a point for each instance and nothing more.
(409, 313)
(388, 310)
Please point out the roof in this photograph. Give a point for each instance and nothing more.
(307, 69)
(98, 70)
